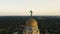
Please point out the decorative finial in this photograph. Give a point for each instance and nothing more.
(31, 12)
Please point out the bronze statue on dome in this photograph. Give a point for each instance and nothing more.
(31, 13)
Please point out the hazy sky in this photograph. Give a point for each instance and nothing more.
(22, 7)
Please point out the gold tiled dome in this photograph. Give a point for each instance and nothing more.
(31, 22)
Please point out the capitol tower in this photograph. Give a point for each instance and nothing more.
(31, 26)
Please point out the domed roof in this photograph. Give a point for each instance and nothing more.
(31, 22)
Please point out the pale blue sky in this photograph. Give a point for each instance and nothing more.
(22, 7)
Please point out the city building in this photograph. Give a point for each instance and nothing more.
(31, 26)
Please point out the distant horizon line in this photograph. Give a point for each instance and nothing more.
(29, 15)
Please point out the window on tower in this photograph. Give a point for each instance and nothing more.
(30, 28)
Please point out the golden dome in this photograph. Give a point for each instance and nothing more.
(31, 22)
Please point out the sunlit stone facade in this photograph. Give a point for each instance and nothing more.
(31, 27)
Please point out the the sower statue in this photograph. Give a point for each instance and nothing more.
(31, 12)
